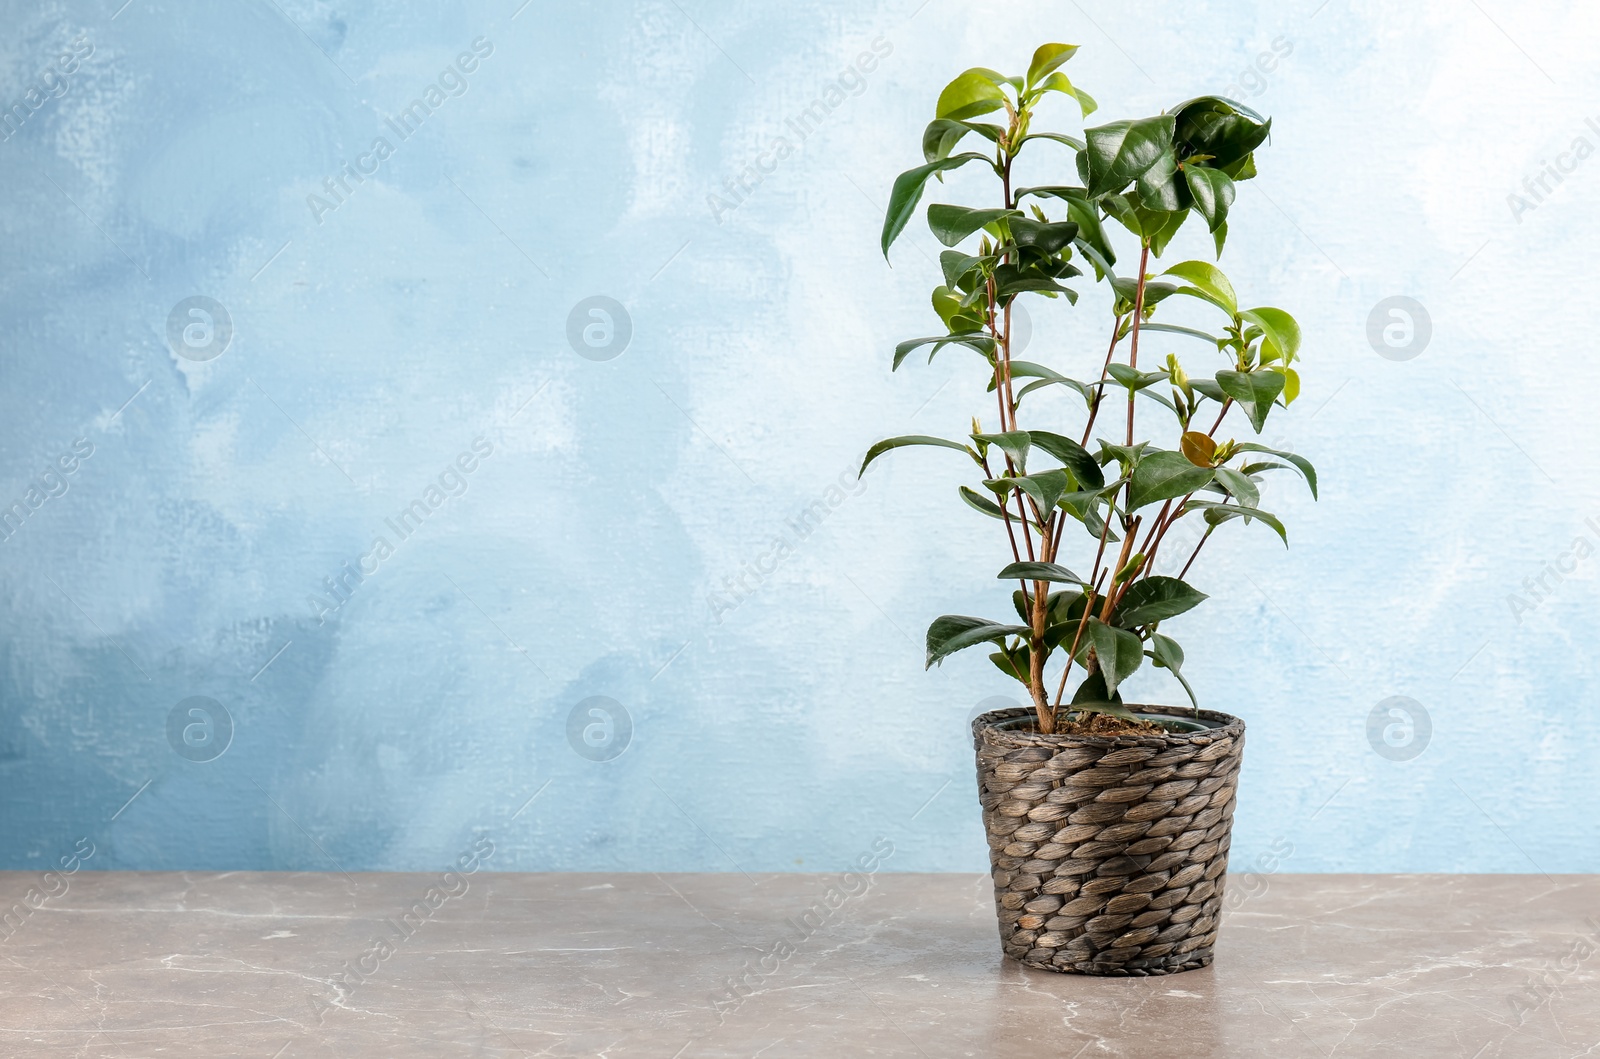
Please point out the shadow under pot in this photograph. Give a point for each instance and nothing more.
(1109, 853)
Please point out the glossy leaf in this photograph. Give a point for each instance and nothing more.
(1209, 284)
(1027, 571)
(907, 192)
(1164, 475)
(970, 94)
(1073, 456)
(956, 632)
(1239, 486)
(1255, 391)
(1044, 487)
(1166, 654)
(1046, 237)
(1212, 191)
(942, 135)
(951, 224)
(1154, 599)
(982, 503)
(1120, 152)
(910, 439)
(1048, 58)
(1119, 652)
(1216, 514)
(1013, 443)
(974, 340)
(1061, 83)
(1177, 329)
(1300, 463)
(1280, 333)
(1199, 449)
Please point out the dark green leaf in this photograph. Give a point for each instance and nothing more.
(1059, 137)
(1046, 237)
(973, 340)
(1301, 464)
(1166, 654)
(1120, 652)
(1154, 599)
(955, 632)
(907, 193)
(1040, 572)
(1045, 487)
(1255, 391)
(1073, 456)
(1212, 191)
(982, 503)
(1216, 514)
(951, 224)
(1177, 329)
(1164, 475)
(942, 134)
(910, 439)
(1120, 152)
(1239, 486)
(1013, 442)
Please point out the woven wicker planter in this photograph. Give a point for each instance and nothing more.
(1109, 853)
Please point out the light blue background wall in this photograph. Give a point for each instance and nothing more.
(430, 308)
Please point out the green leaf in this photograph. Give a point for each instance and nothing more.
(1120, 652)
(910, 439)
(1159, 187)
(1120, 152)
(1154, 599)
(956, 632)
(1164, 475)
(1133, 378)
(1092, 697)
(951, 224)
(1216, 514)
(1013, 442)
(970, 94)
(1281, 334)
(1178, 329)
(973, 340)
(942, 134)
(907, 193)
(1209, 284)
(1048, 58)
(1239, 486)
(1045, 487)
(1014, 667)
(1212, 190)
(1166, 654)
(1047, 377)
(1208, 388)
(1255, 391)
(982, 503)
(1083, 212)
(1040, 572)
(1073, 456)
(1300, 463)
(1046, 237)
(1060, 83)
(1059, 137)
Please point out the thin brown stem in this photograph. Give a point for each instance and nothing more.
(1204, 537)
(1083, 621)
(1094, 405)
(1225, 406)
(1138, 315)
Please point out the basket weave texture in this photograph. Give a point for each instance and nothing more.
(1109, 853)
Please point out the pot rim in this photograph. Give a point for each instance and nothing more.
(985, 729)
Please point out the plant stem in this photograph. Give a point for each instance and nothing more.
(1205, 537)
(1133, 353)
(1083, 621)
(1094, 405)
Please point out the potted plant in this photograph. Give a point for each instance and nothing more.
(1108, 823)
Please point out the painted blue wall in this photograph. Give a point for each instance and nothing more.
(383, 328)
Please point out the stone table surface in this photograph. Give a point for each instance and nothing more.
(288, 965)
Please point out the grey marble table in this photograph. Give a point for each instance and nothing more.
(281, 966)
